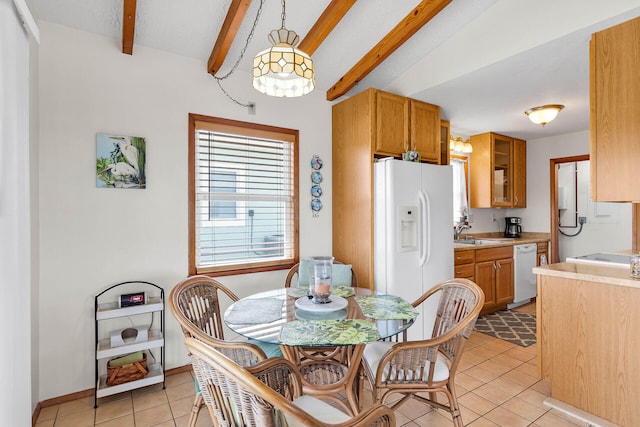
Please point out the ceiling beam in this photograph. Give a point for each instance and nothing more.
(230, 26)
(128, 25)
(336, 10)
(411, 23)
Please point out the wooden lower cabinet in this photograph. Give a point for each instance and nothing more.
(463, 264)
(494, 275)
(542, 249)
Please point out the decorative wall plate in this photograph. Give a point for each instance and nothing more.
(316, 190)
(316, 205)
(316, 162)
(316, 177)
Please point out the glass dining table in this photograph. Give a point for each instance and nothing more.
(325, 341)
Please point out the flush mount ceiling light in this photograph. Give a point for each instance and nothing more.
(283, 70)
(543, 114)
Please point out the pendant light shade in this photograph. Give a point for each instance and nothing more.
(543, 114)
(283, 70)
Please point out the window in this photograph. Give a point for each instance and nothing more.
(460, 194)
(243, 196)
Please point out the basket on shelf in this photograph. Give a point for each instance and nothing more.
(119, 371)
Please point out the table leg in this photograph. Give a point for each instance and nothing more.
(328, 372)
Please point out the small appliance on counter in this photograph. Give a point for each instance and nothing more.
(513, 228)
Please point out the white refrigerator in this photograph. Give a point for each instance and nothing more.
(413, 233)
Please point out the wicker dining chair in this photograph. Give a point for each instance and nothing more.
(267, 394)
(323, 367)
(293, 274)
(429, 365)
(195, 303)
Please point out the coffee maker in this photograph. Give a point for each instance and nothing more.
(513, 228)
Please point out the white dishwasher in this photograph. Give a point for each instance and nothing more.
(524, 281)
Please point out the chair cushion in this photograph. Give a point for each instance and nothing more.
(271, 350)
(373, 353)
(316, 408)
(341, 274)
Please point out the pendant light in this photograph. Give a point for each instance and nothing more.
(543, 114)
(283, 70)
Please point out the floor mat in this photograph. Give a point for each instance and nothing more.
(513, 326)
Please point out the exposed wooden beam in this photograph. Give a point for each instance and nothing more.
(128, 25)
(415, 20)
(336, 10)
(230, 26)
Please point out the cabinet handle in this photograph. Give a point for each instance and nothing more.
(516, 200)
(499, 265)
(494, 266)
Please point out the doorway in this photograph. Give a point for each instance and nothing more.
(554, 168)
(608, 227)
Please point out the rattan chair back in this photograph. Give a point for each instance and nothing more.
(263, 394)
(412, 367)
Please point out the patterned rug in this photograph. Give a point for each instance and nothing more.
(513, 326)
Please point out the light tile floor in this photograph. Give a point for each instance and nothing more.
(497, 385)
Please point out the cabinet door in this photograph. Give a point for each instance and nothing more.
(392, 124)
(485, 278)
(445, 133)
(425, 130)
(502, 178)
(615, 108)
(519, 173)
(504, 281)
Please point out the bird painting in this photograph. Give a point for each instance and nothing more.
(120, 161)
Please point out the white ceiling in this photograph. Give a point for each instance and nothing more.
(483, 61)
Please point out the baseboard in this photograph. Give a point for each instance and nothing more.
(89, 392)
(578, 414)
(36, 414)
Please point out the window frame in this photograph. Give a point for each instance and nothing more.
(465, 160)
(198, 121)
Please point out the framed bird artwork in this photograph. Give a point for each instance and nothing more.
(120, 161)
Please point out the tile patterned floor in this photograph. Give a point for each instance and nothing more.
(497, 385)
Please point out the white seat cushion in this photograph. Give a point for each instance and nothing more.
(373, 353)
(318, 409)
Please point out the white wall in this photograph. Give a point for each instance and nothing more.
(15, 267)
(92, 238)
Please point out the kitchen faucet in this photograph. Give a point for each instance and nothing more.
(462, 225)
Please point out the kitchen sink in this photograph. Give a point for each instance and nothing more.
(487, 241)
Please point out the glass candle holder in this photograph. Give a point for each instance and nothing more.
(320, 280)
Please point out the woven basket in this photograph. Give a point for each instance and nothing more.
(125, 373)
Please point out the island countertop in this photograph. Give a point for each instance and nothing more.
(589, 272)
(588, 338)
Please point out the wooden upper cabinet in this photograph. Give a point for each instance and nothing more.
(392, 124)
(445, 134)
(498, 171)
(404, 124)
(615, 109)
(519, 173)
(425, 131)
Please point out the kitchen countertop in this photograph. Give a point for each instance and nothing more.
(527, 237)
(589, 272)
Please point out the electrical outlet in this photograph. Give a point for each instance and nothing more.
(493, 217)
(582, 219)
(252, 108)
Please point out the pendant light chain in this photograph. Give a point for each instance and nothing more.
(283, 12)
(235, 66)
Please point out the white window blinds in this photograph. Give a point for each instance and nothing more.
(244, 198)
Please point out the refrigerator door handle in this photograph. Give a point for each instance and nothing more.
(425, 228)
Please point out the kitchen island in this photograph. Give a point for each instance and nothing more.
(588, 336)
